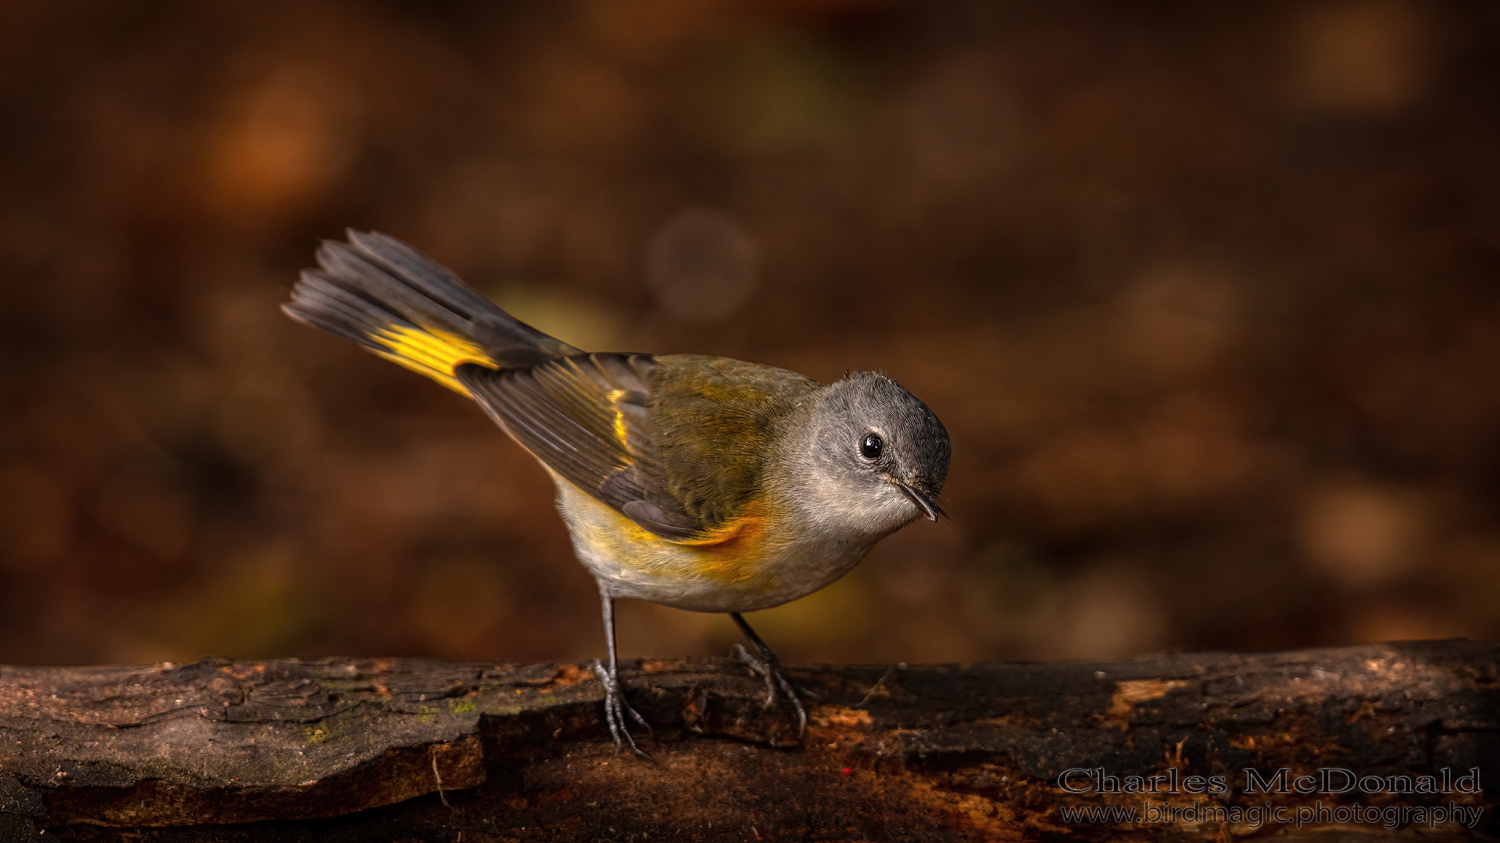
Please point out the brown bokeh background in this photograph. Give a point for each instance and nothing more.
(1206, 295)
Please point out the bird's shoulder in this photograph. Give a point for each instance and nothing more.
(717, 420)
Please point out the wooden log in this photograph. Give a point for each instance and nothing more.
(370, 749)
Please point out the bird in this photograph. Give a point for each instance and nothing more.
(698, 482)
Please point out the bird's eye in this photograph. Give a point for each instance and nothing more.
(871, 446)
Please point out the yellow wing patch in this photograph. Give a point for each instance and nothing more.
(620, 429)
(430, 352)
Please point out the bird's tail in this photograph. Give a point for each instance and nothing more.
(405, 307)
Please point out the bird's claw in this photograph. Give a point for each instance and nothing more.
(768, 666)
(616, 710)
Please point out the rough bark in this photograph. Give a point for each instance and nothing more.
(358, 749)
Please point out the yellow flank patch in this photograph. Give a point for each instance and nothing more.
(725, 565)
(732, 552)
(430, 352)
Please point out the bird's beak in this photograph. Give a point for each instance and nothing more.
(925, 500)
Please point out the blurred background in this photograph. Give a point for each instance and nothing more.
(1206, 295)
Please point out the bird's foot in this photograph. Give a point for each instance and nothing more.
(617, 710)
(768, 666)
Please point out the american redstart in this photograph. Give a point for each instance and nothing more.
(698, 482)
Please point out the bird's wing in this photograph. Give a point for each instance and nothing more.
(588, 418)
(675, 443)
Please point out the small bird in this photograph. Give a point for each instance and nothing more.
(702, 483)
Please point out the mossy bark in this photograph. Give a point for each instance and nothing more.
(364, 749)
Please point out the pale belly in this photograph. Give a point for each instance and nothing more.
(738, 576)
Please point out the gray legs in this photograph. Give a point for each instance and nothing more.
(618, 713)
(769, 666)
(616, 710)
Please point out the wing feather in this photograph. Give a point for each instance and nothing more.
(597, 420)
(587, 417)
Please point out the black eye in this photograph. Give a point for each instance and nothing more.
(871, 446)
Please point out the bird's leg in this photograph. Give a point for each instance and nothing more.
(767, 665)
(616, 709)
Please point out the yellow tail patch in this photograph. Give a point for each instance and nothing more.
(430, 352)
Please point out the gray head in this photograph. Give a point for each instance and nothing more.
(872, 458)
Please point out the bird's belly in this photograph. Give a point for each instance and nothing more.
(755, 569)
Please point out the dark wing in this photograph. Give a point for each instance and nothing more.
(588, 418)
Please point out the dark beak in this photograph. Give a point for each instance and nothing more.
(925, 500)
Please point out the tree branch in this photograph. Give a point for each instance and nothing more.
(893, 752)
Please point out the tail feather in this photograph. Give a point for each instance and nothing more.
(318, 300)
(405, 307)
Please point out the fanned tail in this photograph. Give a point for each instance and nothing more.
(407, 308)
